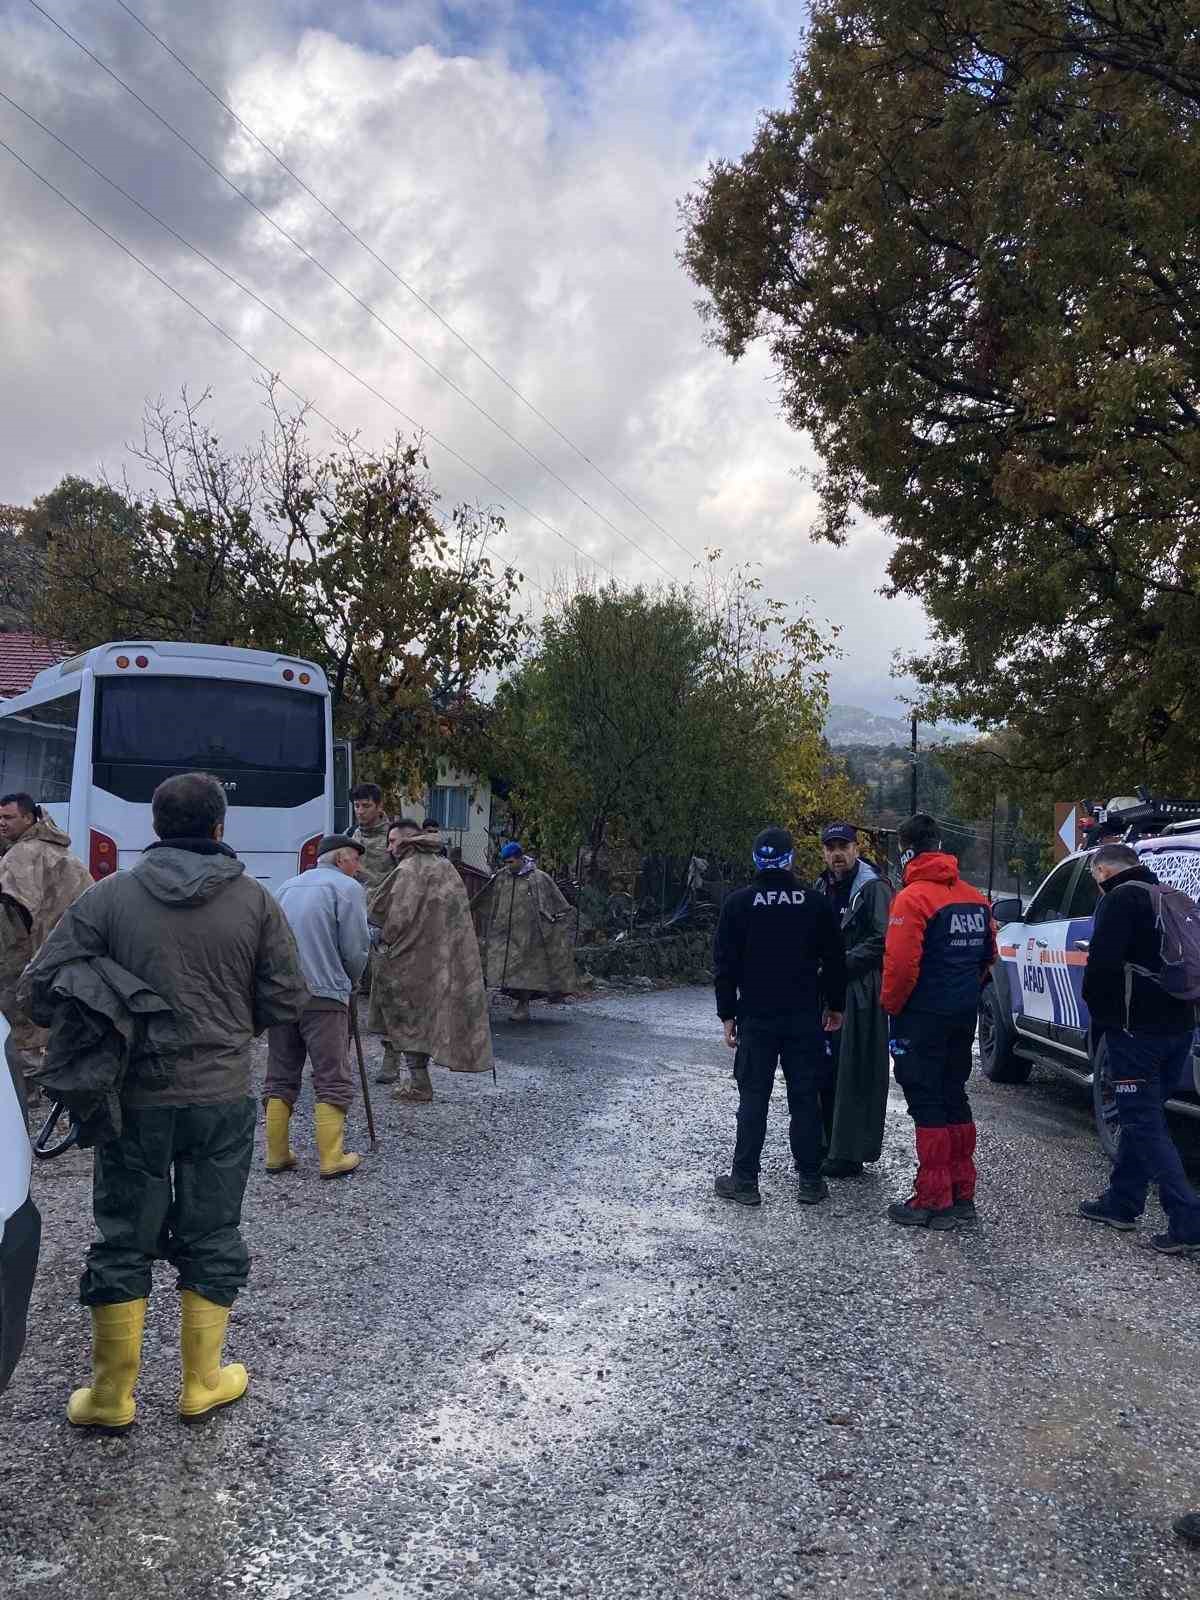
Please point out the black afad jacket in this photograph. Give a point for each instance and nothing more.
(1125, 931)
(778, 952)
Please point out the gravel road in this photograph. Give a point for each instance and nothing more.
(525, 1351)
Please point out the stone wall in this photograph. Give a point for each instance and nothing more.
(681, 958)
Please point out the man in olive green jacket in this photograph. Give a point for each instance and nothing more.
(212, 942)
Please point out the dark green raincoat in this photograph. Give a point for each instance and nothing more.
(854, 1129)
(210, 943)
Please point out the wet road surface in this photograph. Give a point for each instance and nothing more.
(526, 1351)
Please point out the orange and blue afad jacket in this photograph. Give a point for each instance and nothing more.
(941, 941)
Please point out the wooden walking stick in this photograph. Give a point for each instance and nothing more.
(362, 1069)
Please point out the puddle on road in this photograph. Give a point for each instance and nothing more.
(36, 1572)
(532, 1402)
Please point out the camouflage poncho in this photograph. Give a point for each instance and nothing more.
(39, 879)
(427, 992)
(375, 864)
(527, 927)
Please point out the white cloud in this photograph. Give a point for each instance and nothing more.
(525, 179)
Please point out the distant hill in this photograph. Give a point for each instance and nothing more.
(846, 725)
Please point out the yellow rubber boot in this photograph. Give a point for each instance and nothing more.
(207, 1385)
(331, 1130)
(279, 1121)
(108, 1404)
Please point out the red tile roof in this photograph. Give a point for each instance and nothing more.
(22, 657)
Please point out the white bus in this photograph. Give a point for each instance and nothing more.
(96, 734)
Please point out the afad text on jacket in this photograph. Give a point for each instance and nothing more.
(941, 941)
(778, 950)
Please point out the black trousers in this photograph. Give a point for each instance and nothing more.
(830, 1088)
(932, 1062)
(170, 1188)
(802, 1050)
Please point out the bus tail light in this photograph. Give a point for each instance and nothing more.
(102, 855)
(308, 853)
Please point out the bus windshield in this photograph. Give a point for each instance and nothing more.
(183, 723)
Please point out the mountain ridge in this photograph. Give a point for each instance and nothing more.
(848, 725)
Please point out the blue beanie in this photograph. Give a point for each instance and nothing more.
(510, 851)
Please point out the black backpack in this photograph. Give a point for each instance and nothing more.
(1177, 921)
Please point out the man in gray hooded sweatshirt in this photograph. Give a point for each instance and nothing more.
(211, 942)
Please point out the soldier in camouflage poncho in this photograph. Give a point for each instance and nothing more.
(39, 879)
(372, 833)
(428, 989)
(526, 937)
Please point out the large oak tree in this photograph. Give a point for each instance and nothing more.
(972, 241)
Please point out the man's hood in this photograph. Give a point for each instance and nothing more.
(863, 873)
(45, 832)
(181, 877)
(428, 844)
(934, 866)
(1130, 875)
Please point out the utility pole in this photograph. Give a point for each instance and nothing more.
(992, 850)
(914, 766)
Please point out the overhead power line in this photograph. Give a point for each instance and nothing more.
(1003, 832)
(345, 288)
(231, 338)
(298, 331)
(396, 276)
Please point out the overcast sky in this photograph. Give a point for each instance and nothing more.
(519, 165)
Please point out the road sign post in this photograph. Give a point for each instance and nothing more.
(1068, 827)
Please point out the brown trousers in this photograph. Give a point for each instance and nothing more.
(324, 1037)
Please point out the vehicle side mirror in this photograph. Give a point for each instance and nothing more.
(1008, 909)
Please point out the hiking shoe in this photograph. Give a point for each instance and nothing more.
(1166, 1244)
(811, 1191)
(909, 1215)
(1097, 1211)
(742, 1194)
(841, 1169)
(964, 1214)
(1188, 1526)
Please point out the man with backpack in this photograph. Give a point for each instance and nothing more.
(1140, 986)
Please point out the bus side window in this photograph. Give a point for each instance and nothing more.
(37, 749)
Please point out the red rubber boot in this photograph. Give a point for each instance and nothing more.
(932, 1203)
(962, 1173)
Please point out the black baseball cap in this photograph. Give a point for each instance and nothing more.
(338, 841)
(839, 833)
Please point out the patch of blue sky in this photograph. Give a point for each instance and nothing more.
(563, 39)
(703, 68)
